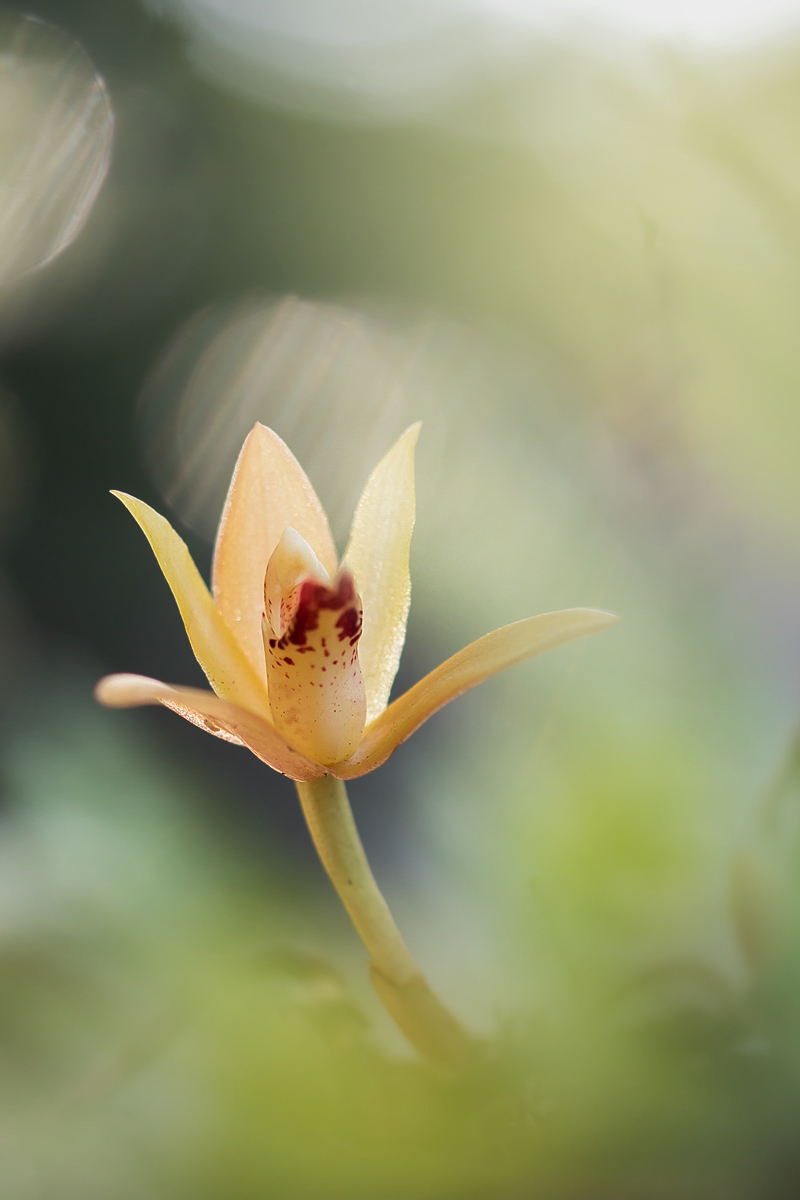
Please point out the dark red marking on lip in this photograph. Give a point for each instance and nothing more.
(289, 661)
(349, 625)
(313, 598)
(273, 643)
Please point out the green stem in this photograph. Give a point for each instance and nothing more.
(405, 994)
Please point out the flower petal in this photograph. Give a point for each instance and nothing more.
(269, 490)
(215, 715)
(214, 646)
(476, 662)
(378, 557)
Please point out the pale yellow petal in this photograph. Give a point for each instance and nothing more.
(378, 557)
(213, 714)
(214, 646)
(464, 670)
(269, 490)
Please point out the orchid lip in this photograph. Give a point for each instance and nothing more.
(316, 689)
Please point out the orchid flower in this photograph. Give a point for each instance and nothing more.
(301, 652)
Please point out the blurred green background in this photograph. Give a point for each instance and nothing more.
(575, 254)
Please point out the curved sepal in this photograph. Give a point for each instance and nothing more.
(214, 646)
(470, 666)
(214, 715)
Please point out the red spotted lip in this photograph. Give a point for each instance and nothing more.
(317, 596)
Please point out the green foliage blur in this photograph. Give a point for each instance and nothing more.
(583, 267)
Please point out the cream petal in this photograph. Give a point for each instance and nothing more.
(378, 557)
(214, 646)
(470, 666)
(269, 490)
(214, 715)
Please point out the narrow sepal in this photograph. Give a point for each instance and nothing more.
(214, 715)
(470, 666)
(214, 646)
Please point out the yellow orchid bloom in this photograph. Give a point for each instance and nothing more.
(301, 652)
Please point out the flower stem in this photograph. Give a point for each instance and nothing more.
(403, 991)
